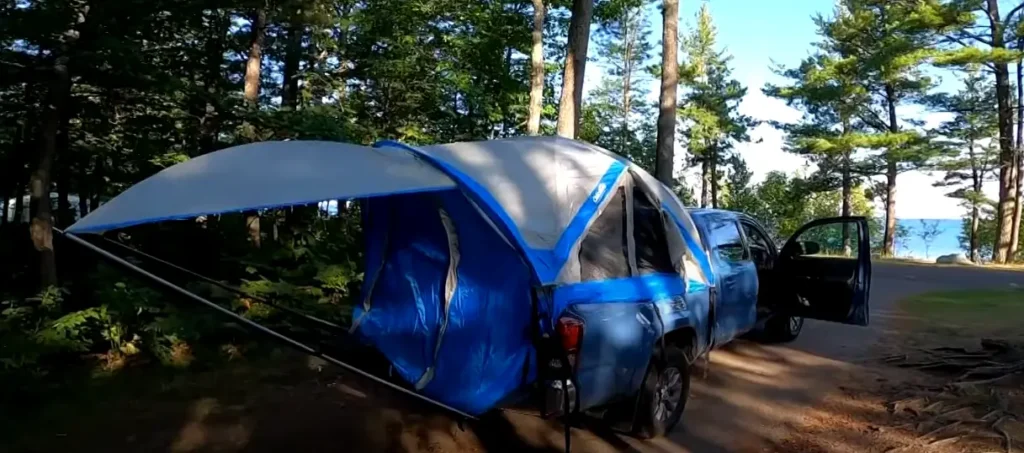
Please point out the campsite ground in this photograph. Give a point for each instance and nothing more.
(832, 390)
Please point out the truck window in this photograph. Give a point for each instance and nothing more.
(603, 252)
(726, 240)
(760, 250)
(649, 236)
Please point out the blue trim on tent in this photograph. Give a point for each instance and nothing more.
(651, 287)
(483, 198)
(578, 224)
(695, 247)
(115, 226)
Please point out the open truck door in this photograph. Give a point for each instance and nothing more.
(825, 271)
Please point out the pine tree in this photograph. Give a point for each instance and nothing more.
(710, 114)
(975, 120)
(888, 42)
(619, 103)
(994, 36)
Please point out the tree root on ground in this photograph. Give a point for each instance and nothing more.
(989, 381)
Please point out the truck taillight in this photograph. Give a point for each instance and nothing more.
(570, 331)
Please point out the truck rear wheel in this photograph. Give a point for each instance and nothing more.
(783, 328)
(663, 395)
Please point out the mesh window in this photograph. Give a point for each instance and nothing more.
(603, 251)
(649, 236)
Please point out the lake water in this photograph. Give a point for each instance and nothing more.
(945, 243)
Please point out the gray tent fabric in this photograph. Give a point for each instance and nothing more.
(265, 175)
(539, 181)
(540, 185)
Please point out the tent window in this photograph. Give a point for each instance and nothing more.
(649, 236)
(603, 251)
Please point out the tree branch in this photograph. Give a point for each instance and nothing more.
(1013, 11)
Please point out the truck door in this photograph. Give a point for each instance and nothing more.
(824, 271)
(736, 277)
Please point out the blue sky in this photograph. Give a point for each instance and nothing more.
(758, 32)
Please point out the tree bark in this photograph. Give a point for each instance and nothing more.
(714, 177)
(1018, 151)
(665, 157)
(205, 104)
(536, 70)
(4, 207)
(1005, 206)
(891, 171)
(19, 205)
(254, 65)
(253, 69)
(59, 89)
(292, 58)
(977, 178)
(847, 202)
(705, 181)
(571, 101)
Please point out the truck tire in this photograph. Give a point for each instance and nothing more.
(783, 328)
(663, 394)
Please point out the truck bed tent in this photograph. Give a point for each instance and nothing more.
(459, 237)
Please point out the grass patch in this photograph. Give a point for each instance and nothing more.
(1017, 267)
(970, 312)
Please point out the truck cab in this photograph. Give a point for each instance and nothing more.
(636, 353)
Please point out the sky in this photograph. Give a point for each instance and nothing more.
(760, 33)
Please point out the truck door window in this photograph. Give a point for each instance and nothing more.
(726, 240)
(603, 252)
(760, 251)
(649, 237)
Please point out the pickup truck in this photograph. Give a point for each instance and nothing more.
(637, 357)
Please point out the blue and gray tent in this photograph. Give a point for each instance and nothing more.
(459, 237)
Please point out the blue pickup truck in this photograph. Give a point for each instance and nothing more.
(638, 356)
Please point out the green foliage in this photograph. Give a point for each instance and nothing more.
(617, 115)
(986, 234)
(709, 112)
(784, 204)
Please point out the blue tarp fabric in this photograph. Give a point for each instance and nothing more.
(485, 353)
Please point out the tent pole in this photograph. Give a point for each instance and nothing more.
(227, 287)
(249, 323)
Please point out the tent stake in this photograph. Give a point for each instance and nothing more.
(249, 323)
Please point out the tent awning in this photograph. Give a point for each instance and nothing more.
(265, 175)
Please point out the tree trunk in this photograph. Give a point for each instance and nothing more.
(39, 186)
(58, 91)
(83, 203)
(536, 70)
(889, 243)
(1018, 150)
(714, 178)
(847, 202)
(209, 118)
(254, 65)
(705, 181)
(292, 57)
(19, 205)
(977, 178)
(1005, 207)
(891, 171)
(4, 207)
(571, 101)
(253, 68)
(64, 215)
(665, 158)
